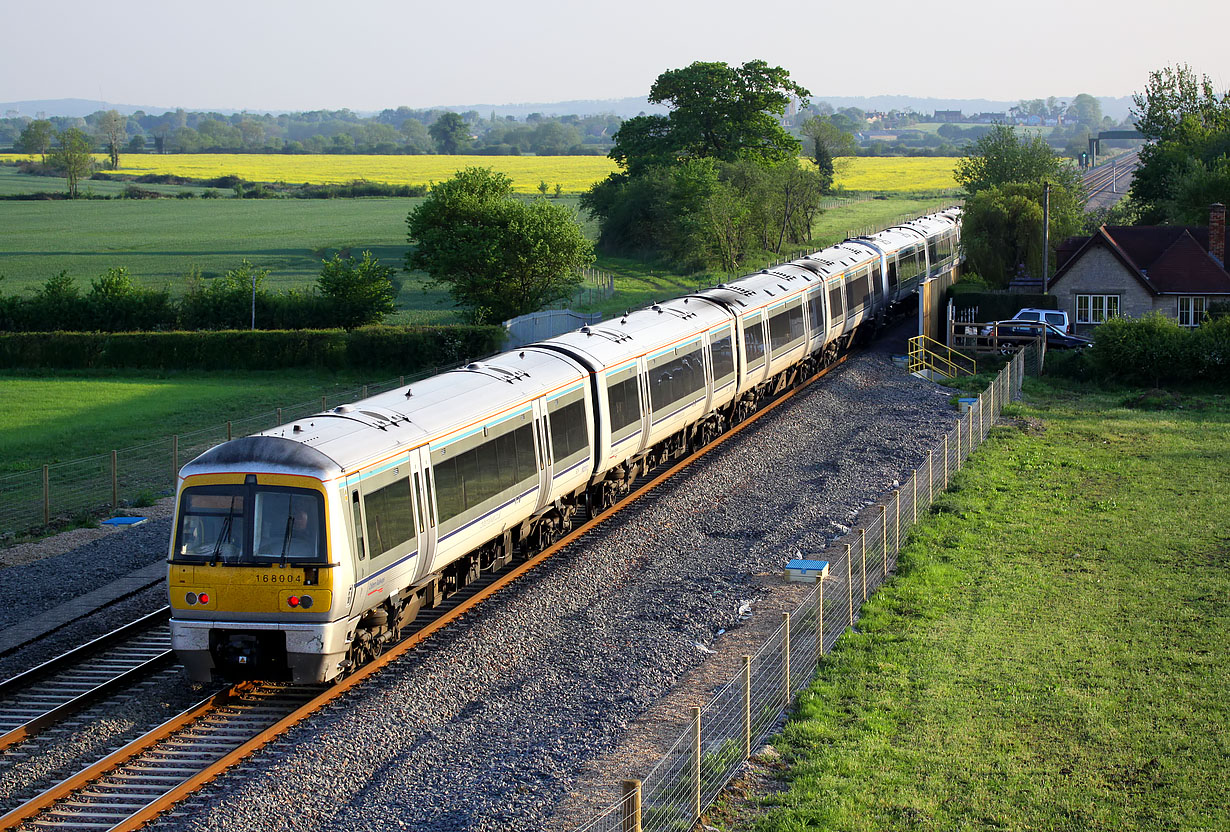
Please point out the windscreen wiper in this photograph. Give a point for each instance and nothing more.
(223, 534)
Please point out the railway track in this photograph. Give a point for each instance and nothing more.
(1114, 177)
(151, 775)
(47, 694)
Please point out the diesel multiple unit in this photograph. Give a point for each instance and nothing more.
(300, 552)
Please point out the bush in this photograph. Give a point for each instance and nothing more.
(399, 349)
(1149, 350)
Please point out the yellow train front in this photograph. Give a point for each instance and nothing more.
(259, 569)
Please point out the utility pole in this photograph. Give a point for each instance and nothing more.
(1046, 231)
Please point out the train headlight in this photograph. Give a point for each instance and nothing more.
(305, 601)
(190, 598)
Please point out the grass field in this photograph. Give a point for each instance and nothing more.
(1052, 654)
(14, 182)
(42, 415)
(574, 173)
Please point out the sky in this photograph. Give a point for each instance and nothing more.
(371, 54)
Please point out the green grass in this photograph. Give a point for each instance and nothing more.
(63, 416)
(1053, 654)
(160, 241)
(13, 182)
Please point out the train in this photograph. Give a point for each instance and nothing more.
(301, 552)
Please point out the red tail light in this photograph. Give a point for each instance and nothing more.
(293, 600)
(202, 598)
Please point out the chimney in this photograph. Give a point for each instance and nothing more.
(1217, 232)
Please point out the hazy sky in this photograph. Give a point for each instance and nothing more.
(372, 54)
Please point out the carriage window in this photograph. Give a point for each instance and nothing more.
(836, 307)
(568, 430)
(856, 292)
(817, 313)
(390, 520)
(723, 356)
(675, 378)
(753, 340)
(474, 476)
(625, 402)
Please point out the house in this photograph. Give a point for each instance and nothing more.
(1128, 271)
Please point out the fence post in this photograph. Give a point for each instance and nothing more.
(786, 661)
(115, 480)
(884, 534)
(401, 381)
(46, 495)
(174, 458)
(747, 707)
(279, 415)
(849, 587)
(696, 762)
(364, 396)
(324, 406)
(862, 549)
(228, 430)
(631, 812)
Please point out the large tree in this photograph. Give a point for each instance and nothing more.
(113, 129)
(1182, 168)
(1002, 228)
(1001, 157)
(451, 133)
(357, 292)
(36, 138)
(72, 157)
(497, 255)
(717, 111)
(828, 141)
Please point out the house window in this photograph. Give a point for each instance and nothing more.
(1096, 309)
(1191, 311)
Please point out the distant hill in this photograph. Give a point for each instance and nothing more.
(69, 107)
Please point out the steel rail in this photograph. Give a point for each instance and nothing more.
(46, 694)
(501, 581)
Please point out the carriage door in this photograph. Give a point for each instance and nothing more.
(543, 450)
(356, 527)
(424, 496)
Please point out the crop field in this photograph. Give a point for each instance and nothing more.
(574, 173)
(896, 173)
(1052, 653)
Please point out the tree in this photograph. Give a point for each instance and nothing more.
(498, 256)
(1001, 157)
(1002, 228)
(451, 133)
(113, 127)
(827, 141)
(357, 293)
(1189, 125)
(36, 138)
(717, 112)
(72, 157)
(1086, 111)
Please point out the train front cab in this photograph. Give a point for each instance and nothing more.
(255, 588)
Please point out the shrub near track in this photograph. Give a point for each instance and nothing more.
(1052, 654)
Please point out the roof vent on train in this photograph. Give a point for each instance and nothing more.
(510, 376)
(609, 334)
(679, 313)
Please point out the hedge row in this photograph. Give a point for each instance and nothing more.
(1154, 350)
(399, 349)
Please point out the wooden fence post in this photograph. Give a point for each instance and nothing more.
(630, 815)
(364, 396)
(228, 430)
(324, 406)
(279, 415)
(696, 762)
(747, 707)
(786, 660)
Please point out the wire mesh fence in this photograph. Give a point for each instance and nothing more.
(142, 473)
(742, 714)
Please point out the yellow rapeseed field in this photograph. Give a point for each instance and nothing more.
(574, 173)
(896, 173)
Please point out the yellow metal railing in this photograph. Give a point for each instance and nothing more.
(941, 359)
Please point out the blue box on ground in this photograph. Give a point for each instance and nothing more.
(124, 521)
(806, 571)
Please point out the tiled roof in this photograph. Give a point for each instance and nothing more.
(1165, 258)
